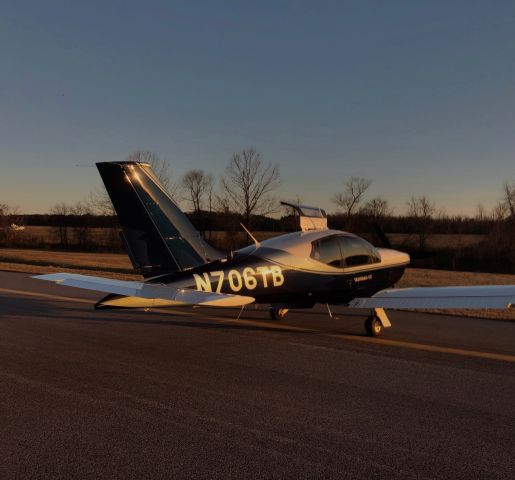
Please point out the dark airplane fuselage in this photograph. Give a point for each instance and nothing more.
(294, 270)
(280, 272)
(300, 268)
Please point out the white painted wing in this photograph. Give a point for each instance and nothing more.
(477, 297)
(183, 296)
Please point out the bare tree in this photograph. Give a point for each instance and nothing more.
(421, 207)
(9, 220)
(62, 211)
(231, 225)
(247, 184)
(500, 211)
(377, 208)
(509, 198)
(501, 235)
(198, 186)
(481, 214)
(352, 194)
(421, 210)
(8, 215)
(509, 224)
(100, 203)
(210, 195)
(81, 229)
(4, 208)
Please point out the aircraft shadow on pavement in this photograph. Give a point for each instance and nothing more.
(56, 310)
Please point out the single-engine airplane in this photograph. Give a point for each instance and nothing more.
(294, 270)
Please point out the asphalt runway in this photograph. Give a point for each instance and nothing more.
(195, 393)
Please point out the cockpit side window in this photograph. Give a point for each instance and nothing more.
(327, 250)
(356, 251)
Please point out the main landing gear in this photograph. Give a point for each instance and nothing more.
(278, 313)
(375, 323)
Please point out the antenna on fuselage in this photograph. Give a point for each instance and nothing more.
(250, 235)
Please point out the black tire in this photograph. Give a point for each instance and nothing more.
(373, 326)
(278, 313)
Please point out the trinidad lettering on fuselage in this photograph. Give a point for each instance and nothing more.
(294, 270)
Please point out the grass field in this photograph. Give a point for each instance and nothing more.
(94, 261)
(114, 265)
(436, 241)
(49, 236)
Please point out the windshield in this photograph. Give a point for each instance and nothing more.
(344, 251)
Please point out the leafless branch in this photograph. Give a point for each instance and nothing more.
(198, 186)
(352, 194)
(377, 208)
(248, 183)
(509, 197)
(421, 209)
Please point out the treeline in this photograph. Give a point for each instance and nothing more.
(448, 225)
(244, 194)
(217, 221)
(493, 252)
(55, 220)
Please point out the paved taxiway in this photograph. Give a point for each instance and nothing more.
(194, 393)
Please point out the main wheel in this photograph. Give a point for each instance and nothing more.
(373, 326)
(278, 313)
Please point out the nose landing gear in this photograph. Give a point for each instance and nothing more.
(373, 326)
(375, 323)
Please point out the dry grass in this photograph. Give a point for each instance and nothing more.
(435, 241)
(421, 277)
(119, 266)
(109, 261)
(35, 269)
(48, 235)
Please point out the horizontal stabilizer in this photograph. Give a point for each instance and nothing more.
(175, 296)
(477, 297)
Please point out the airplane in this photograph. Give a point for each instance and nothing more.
(315, 265)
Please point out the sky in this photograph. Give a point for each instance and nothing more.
(417, 96)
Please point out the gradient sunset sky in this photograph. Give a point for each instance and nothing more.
(417, 96)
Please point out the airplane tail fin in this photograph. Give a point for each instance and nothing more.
(158, 236)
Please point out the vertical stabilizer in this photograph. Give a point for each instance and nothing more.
(158, 236)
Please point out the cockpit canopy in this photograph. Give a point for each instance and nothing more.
(311, 218)
(344, 251)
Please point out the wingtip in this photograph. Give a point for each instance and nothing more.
(50, 277)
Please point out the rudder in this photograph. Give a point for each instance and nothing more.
(158, 236)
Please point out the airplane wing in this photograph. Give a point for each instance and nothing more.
(182, 296)
(477, 297)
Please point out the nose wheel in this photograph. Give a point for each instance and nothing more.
(373, 326)
(375, 323)
(278, 313)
